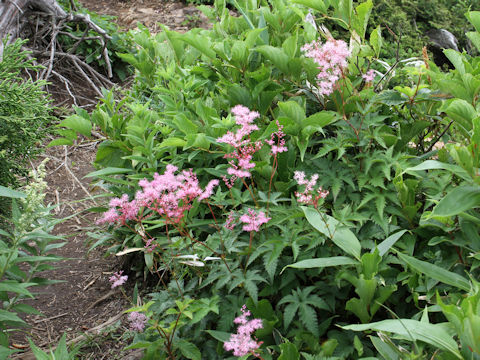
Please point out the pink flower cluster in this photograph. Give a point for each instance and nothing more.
(243, 147)
(279, 146)
(169, 195)
(137, 321)
(253, 220)
(369, 76)
(331, 59)
(117, 279)
(242, 343)
(308, 195)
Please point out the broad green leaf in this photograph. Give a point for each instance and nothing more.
(60, 141)
(61, 352)
(199, 42)
(360, 21)
(458, 200)
(376, 40)
(219, 335)
(172, 142)
(276, 56)
(79, 124)
(436, 272)
(323, 262)
(6, 192)
(108, 171)
(462, 112)
(331, 228)
(456, 59)
(433, 334)
(292, 110)
(318, 5)
(289, 352)
(474, 18)
(474, 38)
(39, 354)
(435, 165)
(387, 350)
(189, 350)
(16, 288)
(386, 244)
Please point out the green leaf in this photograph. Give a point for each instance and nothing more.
(360, 21)
(79, 124)
(60, 141)
(474, 18)
(456, 59)
(39, 354)
(432, 334)
(108, 171)
(387, 350)
(376, 40)
(219, 335)
(436, 272)
(474, 38)
(289, 352)
(172, 142)
(6, 192)
(318, 5)
(386, 244)
(189, 350)
(276, 56)
(338, 233)
(458, 200)
(16, 288)
(435, 165)
(462, 112)
(323, 262)
(199, 42)
(61, 352)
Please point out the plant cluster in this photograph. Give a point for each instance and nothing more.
(26, 243)
(266, 167)
(24, 113)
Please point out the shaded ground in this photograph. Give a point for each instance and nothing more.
(84, 303)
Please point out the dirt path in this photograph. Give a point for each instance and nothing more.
(84, 300)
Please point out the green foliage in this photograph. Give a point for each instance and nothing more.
(26, 243)
(397, 227)
(24, 113)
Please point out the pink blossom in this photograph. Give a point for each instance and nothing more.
(309, 195)
(369, 76)
(150, 245)
(331, 58)
(244, 148)
(230, 223)
(208, 190)
(117, 279)
(137, 321)
(253, 221)
(279, 146)
(242, 342)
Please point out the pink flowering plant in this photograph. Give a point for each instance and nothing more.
(264, 166)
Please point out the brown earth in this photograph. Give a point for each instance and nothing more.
(83, 301)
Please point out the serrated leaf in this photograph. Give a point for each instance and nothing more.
(189, 350)
(289, 314)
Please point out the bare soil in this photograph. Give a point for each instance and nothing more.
(84, 301)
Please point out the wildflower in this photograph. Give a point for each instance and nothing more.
(137, 321)
(208, 190)
(253, 221)
(230, 223)
(150, 245)
(278, 147)
(117, 279)
(369, 76)
(331, 59)
(309, 195)
(244, 149)
(242, 342)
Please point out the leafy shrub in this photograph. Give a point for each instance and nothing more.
(25, 246)
(24, 114)
(355, 228)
